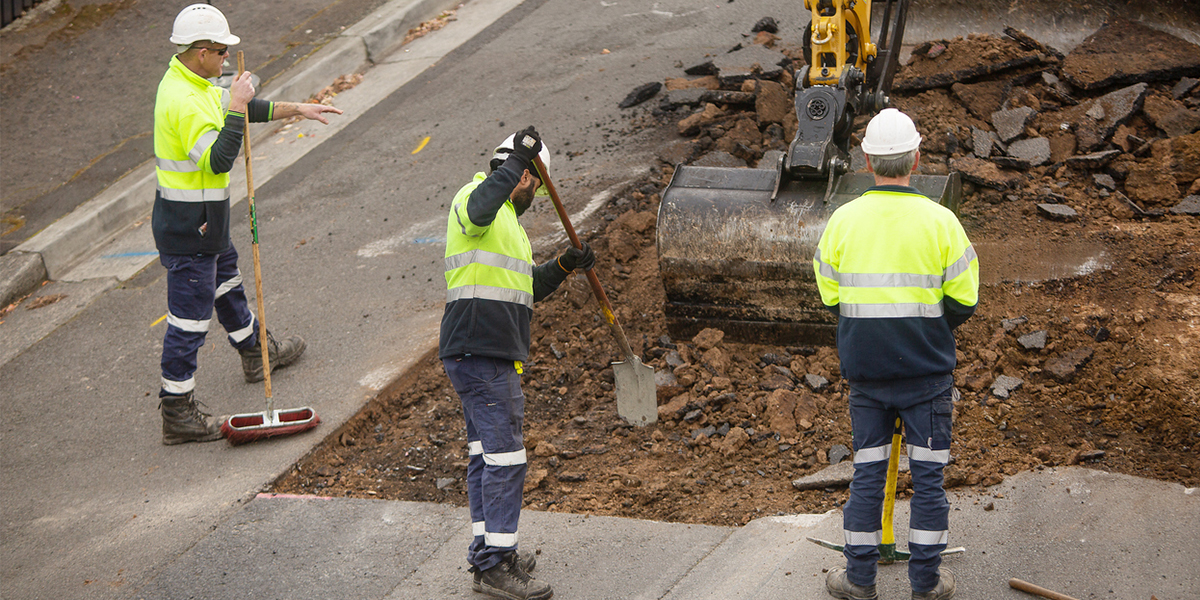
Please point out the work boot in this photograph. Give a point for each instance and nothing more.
(183, 421)
(944, 590)
(281, 355)
(526, 560)
(840, 587)
(508, 580)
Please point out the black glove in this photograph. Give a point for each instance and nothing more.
(578, 258)
(526, 144)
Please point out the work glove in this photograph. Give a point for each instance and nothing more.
(526, 144)
(577, 258)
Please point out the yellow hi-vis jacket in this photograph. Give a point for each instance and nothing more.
(489, 282)
(191, 208)
(901, 274)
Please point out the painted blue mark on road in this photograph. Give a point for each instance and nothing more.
(130, 254)
(432, 240)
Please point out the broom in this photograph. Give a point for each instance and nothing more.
(251, 427)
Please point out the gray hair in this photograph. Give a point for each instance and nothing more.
(894, 165)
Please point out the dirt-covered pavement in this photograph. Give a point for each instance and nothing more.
(1081, 195)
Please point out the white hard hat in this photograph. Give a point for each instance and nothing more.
(506, 147)
(890, 133)
(202, 22)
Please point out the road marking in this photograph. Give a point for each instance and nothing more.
(421, 146)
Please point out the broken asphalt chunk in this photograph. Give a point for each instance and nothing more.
(1005, 385)
(1123, 52)
(1064, 366)
(1029, 43)
(1189, 206)
(1033, 151)
(1095, 160)
(1011, 324)
(837, 453)
(816, 382)
(1184, 87)
(641, 94)
(1011, 123)
(766, 24)
(752, 62)
(1103, 115)
(1033, 341)
(987, 174)
(1057, 212)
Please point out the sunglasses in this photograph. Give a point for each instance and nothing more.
(220, 51)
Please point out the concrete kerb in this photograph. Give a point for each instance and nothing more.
(19, 273)
(66, 241)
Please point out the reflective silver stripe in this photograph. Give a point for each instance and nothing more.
(458, 218)
(202, 195)
(178, 388)
(961, 265)
(499, 540)
(928, 538)
(891, 311)
(474, 448)
(505, 459)
(188, 324)
(176, 166)
(870, 455)
(825, 268)
(490, 259)
(863, 538)
(240, 335)
(226, 287)
(926, 455)
(890, 280)
(487, 292)
(477, 528)
(202, 144)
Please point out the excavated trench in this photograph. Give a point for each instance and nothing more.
(1084, 349)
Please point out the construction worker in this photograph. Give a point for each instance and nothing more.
(898, 270)
(198, 130)
(491, 285)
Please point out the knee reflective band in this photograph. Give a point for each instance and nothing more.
(926, 455)
(870, 455)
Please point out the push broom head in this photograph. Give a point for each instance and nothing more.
(251, 427)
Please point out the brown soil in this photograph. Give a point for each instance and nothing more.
(1116, 387)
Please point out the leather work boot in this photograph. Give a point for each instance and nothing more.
(944, 590)
(508, 580)
(281, 355)
(526, 560)
(183, 421)
(839, 587)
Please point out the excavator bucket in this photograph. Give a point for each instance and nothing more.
(735, 249)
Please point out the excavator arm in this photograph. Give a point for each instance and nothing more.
(735, 245)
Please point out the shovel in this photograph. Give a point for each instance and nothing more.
(637, 395)
(888, 553)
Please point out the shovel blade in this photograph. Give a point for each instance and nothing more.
(637, 395)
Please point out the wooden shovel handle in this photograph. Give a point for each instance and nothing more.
(601, 297)
(1025, 586)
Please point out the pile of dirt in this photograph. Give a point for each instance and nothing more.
(1096, 366)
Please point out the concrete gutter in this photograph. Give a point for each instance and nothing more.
(65, 242)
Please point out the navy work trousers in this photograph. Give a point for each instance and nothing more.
(927, 430)
(196, 284)
(494, 409)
